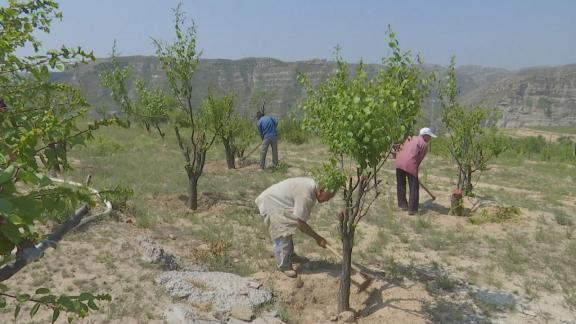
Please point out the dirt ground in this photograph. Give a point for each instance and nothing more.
(436, 267)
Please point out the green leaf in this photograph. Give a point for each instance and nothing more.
(92, 305)
(6, 174)
(23, 298)
(11, 232)
(55, 315)
(42, 291)
(85, 296)
(34, 310)
(2, 302)
(6, 206)
(17, 310)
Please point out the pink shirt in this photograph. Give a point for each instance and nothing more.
(413, 152)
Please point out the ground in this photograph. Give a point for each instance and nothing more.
(435, 267)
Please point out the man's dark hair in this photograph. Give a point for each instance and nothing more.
(259, 114)
(2, 103)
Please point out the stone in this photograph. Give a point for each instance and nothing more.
(254, 284)
(219, 289)
(346, 317)
(154, 253)
(242, 312)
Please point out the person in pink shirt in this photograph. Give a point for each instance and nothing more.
(407, 163)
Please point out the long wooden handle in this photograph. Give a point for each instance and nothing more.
(250, 153)
(426, 189)
(354, 266)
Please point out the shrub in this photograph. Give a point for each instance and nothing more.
(498, 214)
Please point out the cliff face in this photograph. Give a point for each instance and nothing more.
(536, 96)
(529, 97)
(245, 77)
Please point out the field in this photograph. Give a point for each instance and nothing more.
(513, 261)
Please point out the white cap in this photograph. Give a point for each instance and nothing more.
(427, 131)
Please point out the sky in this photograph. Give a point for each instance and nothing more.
(510, 34)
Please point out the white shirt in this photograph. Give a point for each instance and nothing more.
(284, 203)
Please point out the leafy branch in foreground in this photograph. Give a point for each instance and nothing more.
(78, 304)
(38, 126)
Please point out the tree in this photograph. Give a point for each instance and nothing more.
(228, 126)
(39, 124)
(151, 107)
(179, 60)
(473, 139)
(359, 119)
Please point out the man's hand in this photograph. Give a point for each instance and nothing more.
(321, 242)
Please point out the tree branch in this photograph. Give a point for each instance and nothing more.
(28, 255)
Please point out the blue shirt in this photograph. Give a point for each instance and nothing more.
(267, 127)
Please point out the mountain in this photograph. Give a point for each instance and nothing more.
(535, 96)
(530, 97)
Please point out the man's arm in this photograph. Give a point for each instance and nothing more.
(306, 229)
(259, 126)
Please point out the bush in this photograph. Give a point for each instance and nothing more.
(533, 148)
(290, 129)
(498, 214)
(118, 196)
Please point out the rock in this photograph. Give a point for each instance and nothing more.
(346, 317)
(181, 314)
(254, 284)
(244, 291)
(298, 283)
(221, 290)
(242, 312)
(267, 320)
(154, 253)
(333, 318)
(502, 301)
(172, 237)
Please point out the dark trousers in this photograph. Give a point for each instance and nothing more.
(412, 204)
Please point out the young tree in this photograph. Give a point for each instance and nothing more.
(228, 126)
(473, 139)
(151, 107)
(359, 119)
(38, 124)
(179, 60)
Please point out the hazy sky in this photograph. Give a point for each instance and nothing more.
(500, 33)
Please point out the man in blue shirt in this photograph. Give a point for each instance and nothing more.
(267, 129)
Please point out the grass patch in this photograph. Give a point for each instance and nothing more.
(563, 218)
(499, 214)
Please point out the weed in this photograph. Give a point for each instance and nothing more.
(499, 214)
(284, 315)
(281, 168)
(563, 218)
(421, 224)
(512, 260)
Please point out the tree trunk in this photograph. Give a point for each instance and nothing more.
(468, 183)
(344, 291)
(229, 154)
(160, 131)
(457, 202)
(193, 192)
(56, 166)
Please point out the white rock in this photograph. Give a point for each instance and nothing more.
(242, 312)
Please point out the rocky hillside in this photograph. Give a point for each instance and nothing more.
(529, 97)
(536, 96)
